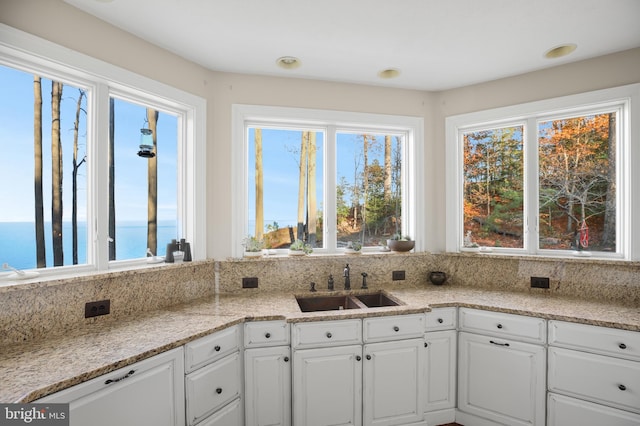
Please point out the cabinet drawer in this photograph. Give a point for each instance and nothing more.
(211, 387)
(442, 319)
(231, 415)
(210, 348)
(570, 411)
(517, 327)
(326, 333)
(266, 333)
(602, 340)
(393, 328)
(596, 378)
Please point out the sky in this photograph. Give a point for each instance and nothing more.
(16, 144)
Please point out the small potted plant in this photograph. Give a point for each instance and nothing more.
(353, 247)
(299, 248)
(400, 243)
(252, 246)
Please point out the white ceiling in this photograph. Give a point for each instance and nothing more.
(437, 44)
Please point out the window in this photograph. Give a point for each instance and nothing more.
(329, 179)
(98, 161)
(549, 178)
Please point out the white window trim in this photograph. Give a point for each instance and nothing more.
(26, 51)
(330, 120)
(530, 114)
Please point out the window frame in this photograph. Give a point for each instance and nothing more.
(331, 122)
(101, 80)
(625, 100)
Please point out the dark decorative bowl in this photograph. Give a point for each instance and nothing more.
(400, 245)
(437, 277)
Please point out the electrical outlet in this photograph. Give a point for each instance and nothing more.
(539, 282)
(397, 275)
(250, 282)
(94, 309)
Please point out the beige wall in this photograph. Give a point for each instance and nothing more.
(64, 25)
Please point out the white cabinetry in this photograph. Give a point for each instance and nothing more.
(594, 374)
(147, 393)
(267, 370)
(501, 376)
(440, 359)
(327, 376)
(214, 382)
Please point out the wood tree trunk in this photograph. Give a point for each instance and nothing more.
(387, 168)
(311, 188)
(259, 233)
(152, 179)
(112, 182)
(609, 231)
(56, 175)
(302, 185)
(74, 177)
(41, 258)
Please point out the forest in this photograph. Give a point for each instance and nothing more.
(576, 184)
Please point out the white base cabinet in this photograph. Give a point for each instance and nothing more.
(440, 370)
(147, 393)
(267, 386)
(571, 411)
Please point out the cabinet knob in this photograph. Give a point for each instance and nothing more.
(440, 320)
(329, 335)
(499, 325)
(267, 335)
(622, 387)
(426, 344)
(219, 391)
(368, 357)
(358, 358)
(286, 359)
(216, 348)
(396, 328)
(622, 346)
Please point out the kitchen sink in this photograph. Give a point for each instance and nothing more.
(377, 300)
(339, 302)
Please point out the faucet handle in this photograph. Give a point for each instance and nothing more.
(313, 287)
(364, 280)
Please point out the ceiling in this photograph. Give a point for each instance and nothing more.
(436, 44)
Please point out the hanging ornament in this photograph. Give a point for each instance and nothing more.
(146, 144)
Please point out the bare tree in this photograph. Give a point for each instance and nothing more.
(37, 172)
(56, 172)
(259, 186)
(302, 185)
(312, 209)
(387, 168)
(152, 179)
(609, 230)
(74, 177)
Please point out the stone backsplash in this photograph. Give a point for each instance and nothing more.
(37, 310)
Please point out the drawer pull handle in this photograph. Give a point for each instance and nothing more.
(219, 391)
(396, 328)
(498, 344)
(216, 348)
(329, 335)
(267, 335)
(286, 359)
(120, 378)
(440, 320)
(622, 346)
(622, 387)
(368, 357)
(499, 325)
(358, 358)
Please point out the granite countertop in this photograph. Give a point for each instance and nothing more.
(33, 369)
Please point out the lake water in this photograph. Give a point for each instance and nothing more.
(18, 245)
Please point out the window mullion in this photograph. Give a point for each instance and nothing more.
(98, 147)
(531, 187)
(330, 184)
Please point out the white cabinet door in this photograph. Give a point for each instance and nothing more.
(501, 380)
(393, 382)
(268, 386)
(147, 393)
(327, 386)
(440, 370)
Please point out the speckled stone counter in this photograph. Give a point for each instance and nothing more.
(33, 369)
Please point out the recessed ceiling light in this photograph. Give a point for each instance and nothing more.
(288, 62)
(389, 73)
(560, 51)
